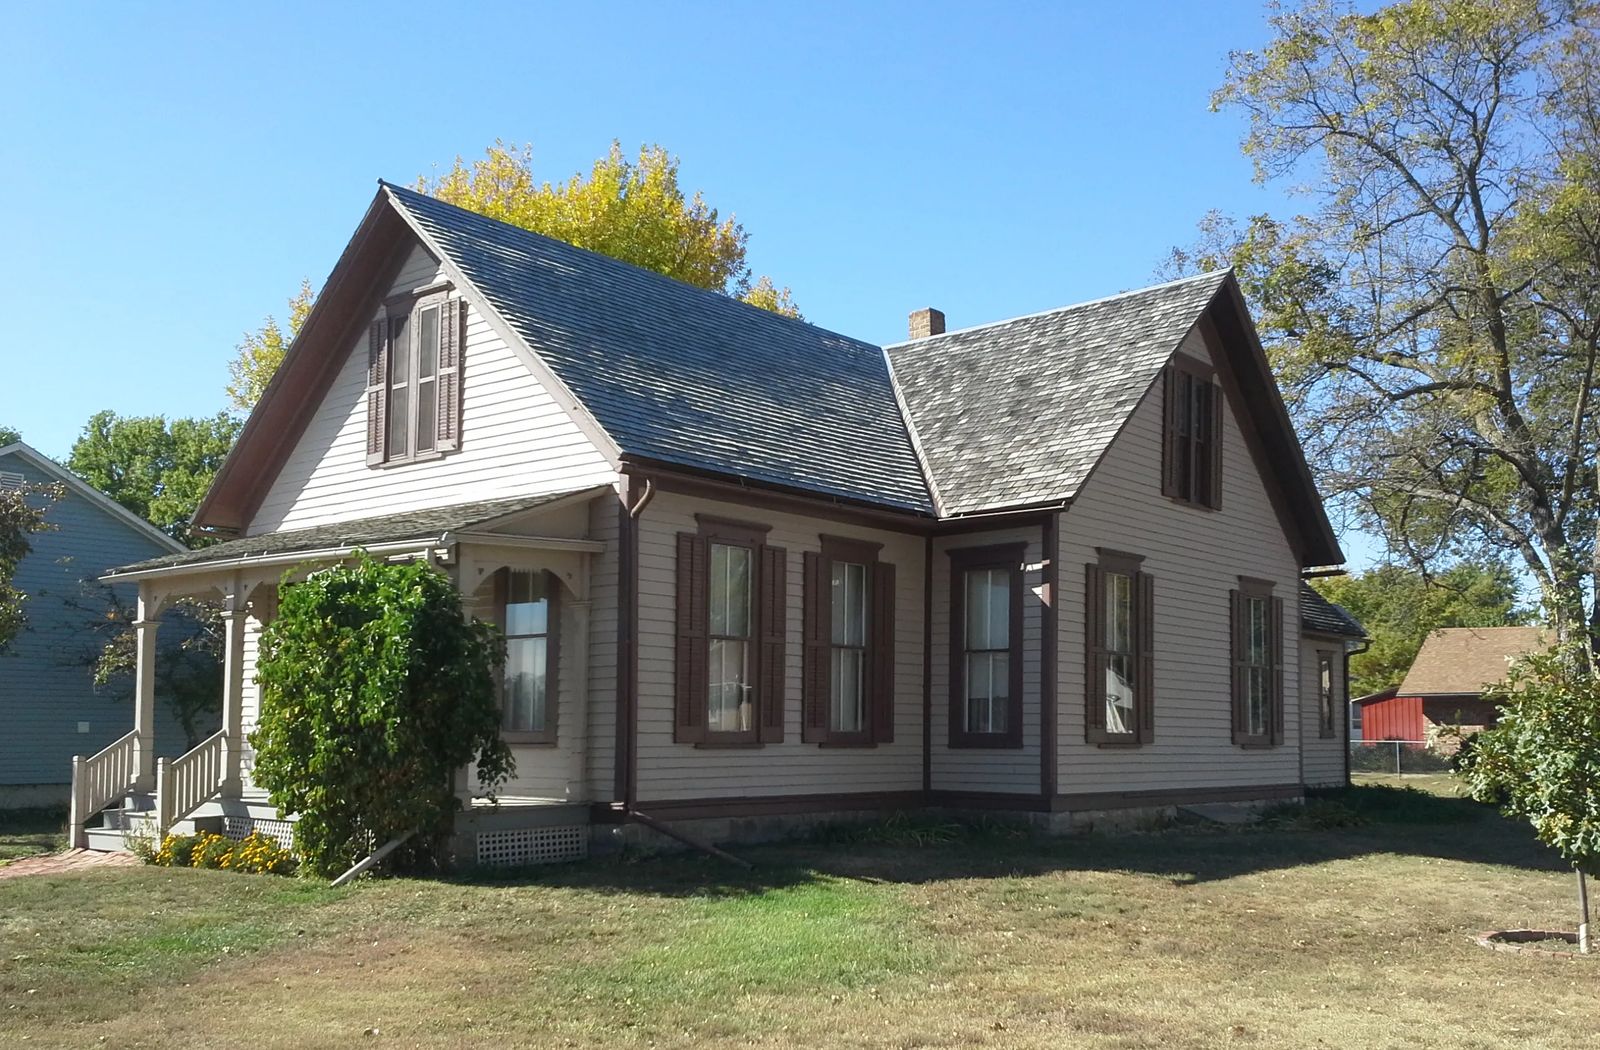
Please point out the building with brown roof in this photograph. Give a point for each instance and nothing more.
(1445, 685)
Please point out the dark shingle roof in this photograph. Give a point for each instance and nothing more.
(1017, 413)
(686, 376)
(410, 525)
(1324, 617)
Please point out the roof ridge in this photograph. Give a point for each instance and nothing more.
(614, 261)
(925, 340)
(104, 502)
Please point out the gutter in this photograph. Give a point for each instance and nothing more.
(288, 558)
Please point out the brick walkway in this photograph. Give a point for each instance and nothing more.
(64, 863)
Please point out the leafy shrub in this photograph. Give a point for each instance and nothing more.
(374, 691)
(211, 851)
(1541, 761)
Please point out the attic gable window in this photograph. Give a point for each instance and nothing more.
(414, 379)
(1191, 462)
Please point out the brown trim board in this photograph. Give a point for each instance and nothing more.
(891, 801)
(1049, 652)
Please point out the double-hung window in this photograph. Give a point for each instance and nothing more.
(729, 671)
(414, 379)
(526, 601)
(1192, 445)
(847, 674)
(1325, 694)
(986, 646)
(731, 592)
(1119, 621)
(1257, 631)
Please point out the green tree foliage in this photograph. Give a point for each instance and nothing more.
(188, 669)
(157, 468)
(259, 354)
(374, 692)
(633, 210)
(1434, 317)
(9, 436)
(1541, 761)
(22, 513)
(1400, 607)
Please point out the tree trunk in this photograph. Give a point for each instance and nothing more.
(1583, 912)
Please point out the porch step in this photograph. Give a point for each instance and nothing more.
(106, 840)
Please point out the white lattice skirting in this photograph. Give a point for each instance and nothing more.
(532, 846)
(242, 827)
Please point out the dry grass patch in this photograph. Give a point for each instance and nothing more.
(1194, 938)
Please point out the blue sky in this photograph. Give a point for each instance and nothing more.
(172, 172)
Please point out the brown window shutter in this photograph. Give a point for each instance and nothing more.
(689, 679)
(815, 655)
(882, 655)
(1171, 402)
(1236, 656)
(452, 337)
(1275, 707)
(1094, 633)
(1145, 641)
(1218, 407)
(377, 391)
(774, 629)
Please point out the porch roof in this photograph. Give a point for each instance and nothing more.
(422, 526)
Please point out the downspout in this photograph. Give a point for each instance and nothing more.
(625, 773)
(627, 762)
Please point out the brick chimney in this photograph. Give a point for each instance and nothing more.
(927, 322)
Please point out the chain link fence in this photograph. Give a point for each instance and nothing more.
(1398, 757)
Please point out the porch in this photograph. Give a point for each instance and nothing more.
(544, 539)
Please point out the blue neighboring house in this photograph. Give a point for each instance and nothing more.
(50, 708)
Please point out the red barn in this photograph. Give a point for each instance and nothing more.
(1445, 684)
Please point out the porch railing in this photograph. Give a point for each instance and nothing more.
(185, 782)
(101, 779)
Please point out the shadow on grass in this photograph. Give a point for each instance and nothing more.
(924, 848)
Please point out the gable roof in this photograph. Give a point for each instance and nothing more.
(681, 375)
(94, 496)
(1456, 661)
(1068, 379)
(420, 525)
(660, 373)
(1320, 616)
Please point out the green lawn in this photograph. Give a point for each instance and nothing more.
(1270, 937)
(28, 832)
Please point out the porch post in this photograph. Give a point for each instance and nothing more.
(144, 690)
(577, 743)
(233, 617)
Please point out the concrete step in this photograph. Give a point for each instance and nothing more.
(106, 840)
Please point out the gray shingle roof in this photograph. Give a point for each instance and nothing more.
(1066, 379)
(410, 525)
(690, 377)
(1319, 614)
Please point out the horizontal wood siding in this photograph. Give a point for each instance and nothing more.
(1196, 557)
(46, 675)
(1001, 770)
(668, 770)
(515, 440)
(1323, 761)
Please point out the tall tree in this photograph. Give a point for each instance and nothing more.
(9, 436)
(1435, 316)
(22, 512)
(157, 468)
(260, 353)
(633, 210)
(1400, 606)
